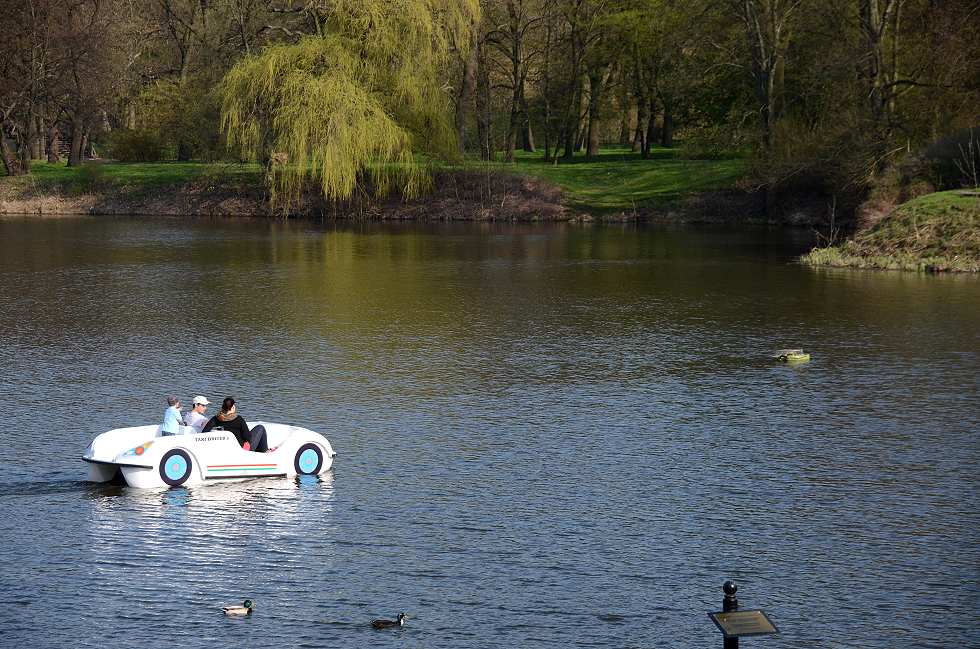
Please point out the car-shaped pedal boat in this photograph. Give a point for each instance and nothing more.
(147, 459)
(790, 356)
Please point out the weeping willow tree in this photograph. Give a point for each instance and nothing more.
(366, 93)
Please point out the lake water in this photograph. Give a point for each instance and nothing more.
(549, 436)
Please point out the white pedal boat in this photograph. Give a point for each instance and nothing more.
(146, 459)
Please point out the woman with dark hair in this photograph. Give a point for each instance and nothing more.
(228, 419)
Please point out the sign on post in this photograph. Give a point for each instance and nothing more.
(739, 624)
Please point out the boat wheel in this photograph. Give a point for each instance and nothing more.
(175, 467)
(309, 459)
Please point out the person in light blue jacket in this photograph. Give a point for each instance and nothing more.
(171, 417)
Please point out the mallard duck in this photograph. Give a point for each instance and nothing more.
(244, 609)
(387, 624)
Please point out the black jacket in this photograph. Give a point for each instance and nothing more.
(236, 426)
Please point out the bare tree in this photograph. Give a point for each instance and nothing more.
(879, 20)
(92, 64)
(768, 27)
(30, 33)
(515, 23)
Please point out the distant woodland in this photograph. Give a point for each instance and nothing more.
(825, 93)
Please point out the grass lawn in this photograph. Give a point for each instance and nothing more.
(133, 177)
(618, 180)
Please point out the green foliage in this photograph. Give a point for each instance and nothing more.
(719, 141)
(365, 91)
(185, 117)
(133, 145)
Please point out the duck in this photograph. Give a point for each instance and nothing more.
(244, 609)
(387, 624)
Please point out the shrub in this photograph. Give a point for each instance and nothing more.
(89, 179)
(715, 142)
(949, 163)
(133, 146)
(184, 117)
(953, 161)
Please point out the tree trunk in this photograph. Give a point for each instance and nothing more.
(44, 146)
(624, 127)
(875, 19)
(10, 162)
(651, 134)
(768, 25)
(52, 127)
(515, 123)
(590, 131)
(598, 84)
(651, 129)
(547, 132)
(35, 137)
(642, 120)
(528, 137)
(569, 143)
(184, 46)
(515, 55)
(27, 139)
(667, 132)
(580, 124)
(466, 93)
(77, 144)
(25, 158)
(483, 105)
(593, 139)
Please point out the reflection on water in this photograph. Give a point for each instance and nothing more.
(231, 512)
(548, 435)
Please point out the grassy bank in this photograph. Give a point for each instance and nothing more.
(132, 177)
(616, 181)
(935, 232)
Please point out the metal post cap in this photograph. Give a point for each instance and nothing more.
(730, 603)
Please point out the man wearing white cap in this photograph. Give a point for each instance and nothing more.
(196, 416)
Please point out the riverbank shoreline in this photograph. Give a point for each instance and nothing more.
(452, 198)
(938, 232)
(465, 195)
(934, 233)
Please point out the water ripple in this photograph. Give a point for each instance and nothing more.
(549, 437)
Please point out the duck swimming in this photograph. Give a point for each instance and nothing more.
(244, 609)
(387, 624)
